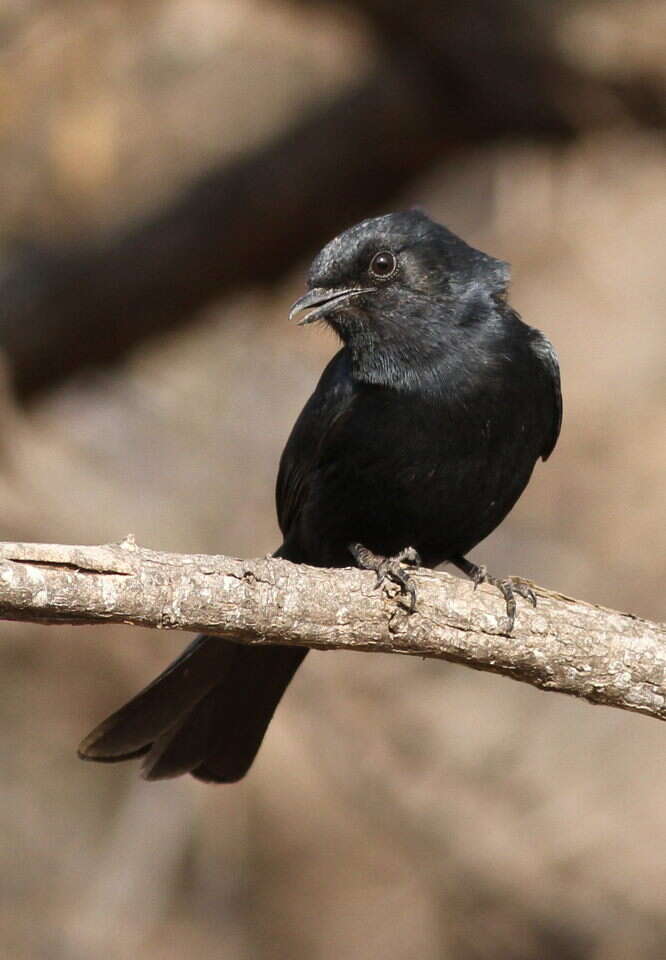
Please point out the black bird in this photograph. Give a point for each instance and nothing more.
(421, 435)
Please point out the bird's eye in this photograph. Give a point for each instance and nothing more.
(383, 265)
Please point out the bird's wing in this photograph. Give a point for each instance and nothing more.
(545, 353)
(328, 407)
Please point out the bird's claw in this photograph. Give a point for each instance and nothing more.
(390, 569)
(509, 587)
(479, 576)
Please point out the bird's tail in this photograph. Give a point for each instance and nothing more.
(206, 714)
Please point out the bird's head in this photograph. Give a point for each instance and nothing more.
(396, 288)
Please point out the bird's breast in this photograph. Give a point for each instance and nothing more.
(422, 471)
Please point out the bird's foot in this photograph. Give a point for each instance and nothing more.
(509, 587)
(390, 568)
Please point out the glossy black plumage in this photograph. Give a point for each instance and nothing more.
(423, 431)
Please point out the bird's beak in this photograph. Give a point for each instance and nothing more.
(321, 301)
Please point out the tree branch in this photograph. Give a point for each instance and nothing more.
(565, 645)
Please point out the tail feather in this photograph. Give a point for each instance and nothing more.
(219, 738)
(181, 748)
(206, 714)
(131, 730)
(238, 721)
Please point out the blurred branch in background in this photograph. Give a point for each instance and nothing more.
(564, 645)
(453, 75)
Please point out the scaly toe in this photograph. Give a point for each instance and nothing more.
(524, 591)
(394, 572)
(509, 587)
(506, 588)
(480, 576)
(410, 556)
(389, 568)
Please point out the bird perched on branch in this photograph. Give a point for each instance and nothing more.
(422, 433)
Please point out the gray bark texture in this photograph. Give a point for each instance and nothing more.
(564, 644)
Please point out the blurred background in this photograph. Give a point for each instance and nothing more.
(167, 169)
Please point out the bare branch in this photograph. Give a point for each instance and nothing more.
(565, 645)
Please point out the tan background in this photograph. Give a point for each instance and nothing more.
(398, 808)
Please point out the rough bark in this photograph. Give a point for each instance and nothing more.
(565, 645)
